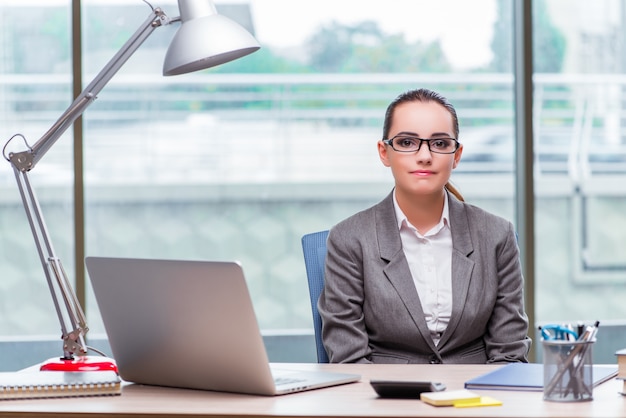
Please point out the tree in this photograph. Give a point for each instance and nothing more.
(548, 41)
(364, 48)
(262, 61)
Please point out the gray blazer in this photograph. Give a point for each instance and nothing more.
(371, 311)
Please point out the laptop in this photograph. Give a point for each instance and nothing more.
(190, 324)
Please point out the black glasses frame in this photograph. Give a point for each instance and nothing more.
(390, 143)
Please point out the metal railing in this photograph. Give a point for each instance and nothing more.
(577, 118)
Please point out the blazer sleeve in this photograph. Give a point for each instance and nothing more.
(506, 338)
(341, 303)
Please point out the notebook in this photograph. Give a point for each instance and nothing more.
(190, 324)
(57, 384)
(529, 377)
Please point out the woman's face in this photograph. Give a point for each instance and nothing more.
(423, 172)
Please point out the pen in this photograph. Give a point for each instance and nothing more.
(595, 330)
(579, 383)
(590, 332)
(569, 333)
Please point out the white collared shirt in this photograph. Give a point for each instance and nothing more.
(430, 261)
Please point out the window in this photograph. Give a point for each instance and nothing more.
(35, 88)
(580, 161)
(240, 161)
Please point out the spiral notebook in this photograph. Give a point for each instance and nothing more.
(55, 384)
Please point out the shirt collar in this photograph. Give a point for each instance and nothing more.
(402, 219)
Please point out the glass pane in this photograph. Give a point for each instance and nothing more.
(240, 161)
(35, 69)
(580, 160)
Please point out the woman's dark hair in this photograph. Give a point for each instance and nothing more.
(423, 95)
(419, 95)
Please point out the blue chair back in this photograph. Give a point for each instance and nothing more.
(314, 248)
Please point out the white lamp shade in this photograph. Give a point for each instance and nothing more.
(205, 42)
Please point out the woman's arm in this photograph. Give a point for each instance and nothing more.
(341, 302)
(506, 338)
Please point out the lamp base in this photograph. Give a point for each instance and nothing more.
(79, 364)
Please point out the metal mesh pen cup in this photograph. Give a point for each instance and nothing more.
(567, 370)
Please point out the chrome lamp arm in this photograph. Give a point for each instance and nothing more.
(196, 13)
(26, 160)
(68, 309)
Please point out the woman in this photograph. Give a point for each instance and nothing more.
(423, 277)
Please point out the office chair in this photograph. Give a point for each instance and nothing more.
(314, 248)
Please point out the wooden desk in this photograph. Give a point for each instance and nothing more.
(351, 400)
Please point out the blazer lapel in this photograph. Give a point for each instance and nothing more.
(397, 269)
(462, 266)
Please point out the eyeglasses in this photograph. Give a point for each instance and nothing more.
(409, 143)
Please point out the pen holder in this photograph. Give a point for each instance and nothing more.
(567, 370)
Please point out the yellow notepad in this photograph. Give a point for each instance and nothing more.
(449, 397)
(483, 401)
(55, 384)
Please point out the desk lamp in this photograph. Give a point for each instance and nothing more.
(205, 39)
